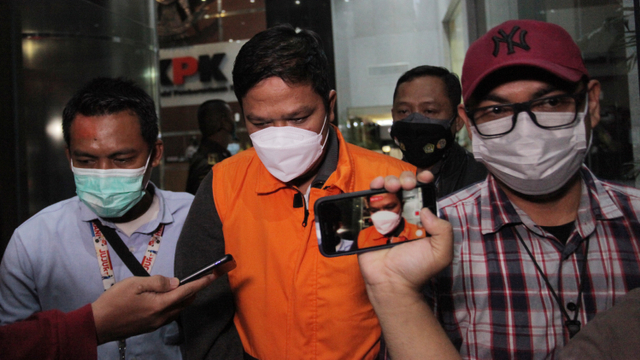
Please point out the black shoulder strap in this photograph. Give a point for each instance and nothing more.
(121, 249)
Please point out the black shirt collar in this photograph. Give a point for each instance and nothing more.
(330, 162)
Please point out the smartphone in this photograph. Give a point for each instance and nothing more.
(219, 267)
(372, 219)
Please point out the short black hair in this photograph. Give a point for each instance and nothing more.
(105, 96)
(450, 80)
(211, 113)
(296, 56)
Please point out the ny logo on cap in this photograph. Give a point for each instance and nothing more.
(508, 39)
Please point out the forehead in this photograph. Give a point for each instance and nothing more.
(422, 89)
(106, 130)
(273, 97)
(521, 79)
(520, 90)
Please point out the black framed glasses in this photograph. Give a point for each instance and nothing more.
(496, 120)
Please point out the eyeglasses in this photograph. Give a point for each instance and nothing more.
(560, 111)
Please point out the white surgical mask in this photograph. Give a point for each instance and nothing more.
(532, 160)
(385, 221)
(287, 151)
(110, 193)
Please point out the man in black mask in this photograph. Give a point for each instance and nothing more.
(215, 119)
(425, 120)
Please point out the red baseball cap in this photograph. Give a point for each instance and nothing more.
(522, 42)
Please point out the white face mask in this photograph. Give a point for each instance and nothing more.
(532, 160)
(287, 151)
(385, 221)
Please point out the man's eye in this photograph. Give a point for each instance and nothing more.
(123, 161)
(553, 102)
(491, 113)
(557, 104)
(496, 110)
(546, 103)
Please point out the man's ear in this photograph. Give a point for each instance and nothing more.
(458, 123)
(66, 152)
(158, 151)
(594, 102)
(462, 115)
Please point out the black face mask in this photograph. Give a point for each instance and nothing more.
(423, 140)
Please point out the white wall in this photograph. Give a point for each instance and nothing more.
(382, 36)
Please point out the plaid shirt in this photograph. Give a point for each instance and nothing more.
(492, 301)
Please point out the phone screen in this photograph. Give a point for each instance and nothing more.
(372, 219)
(219, 267)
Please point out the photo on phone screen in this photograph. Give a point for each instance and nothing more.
(372, 219)
(219, 267)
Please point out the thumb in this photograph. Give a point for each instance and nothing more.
(188, 290)
(429, 221)
(441, 236)
(157, 284)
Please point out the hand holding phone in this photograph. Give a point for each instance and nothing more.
(219, 267)
(372, 219)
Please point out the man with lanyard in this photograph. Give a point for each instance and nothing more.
(542, 245)
(290, 301)
(65, 256)
(425, 121)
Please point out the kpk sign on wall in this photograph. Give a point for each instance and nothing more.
(194, 74)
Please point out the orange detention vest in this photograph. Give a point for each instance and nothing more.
(292, 302)
(371, 237)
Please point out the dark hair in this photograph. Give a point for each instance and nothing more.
(520, 72)
(450, 80)
(211, 114)
(106, 96)
(295, 56)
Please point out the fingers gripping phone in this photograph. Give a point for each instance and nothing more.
(371, 219)
(219, 267)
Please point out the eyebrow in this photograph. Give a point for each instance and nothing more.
(304, 110)
(427, 102)
(544, 91)
(538, 94)
(79, 153)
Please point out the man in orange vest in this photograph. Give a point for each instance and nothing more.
(388, 224)
(290, 301)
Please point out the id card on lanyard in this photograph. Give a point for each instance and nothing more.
(106, 268)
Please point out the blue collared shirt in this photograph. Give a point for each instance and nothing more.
(51, 263)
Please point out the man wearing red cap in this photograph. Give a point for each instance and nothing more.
(541, 246)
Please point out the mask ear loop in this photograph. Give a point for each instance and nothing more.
(144, 186)
(586, 109)
(453, 120)
(322, 129)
